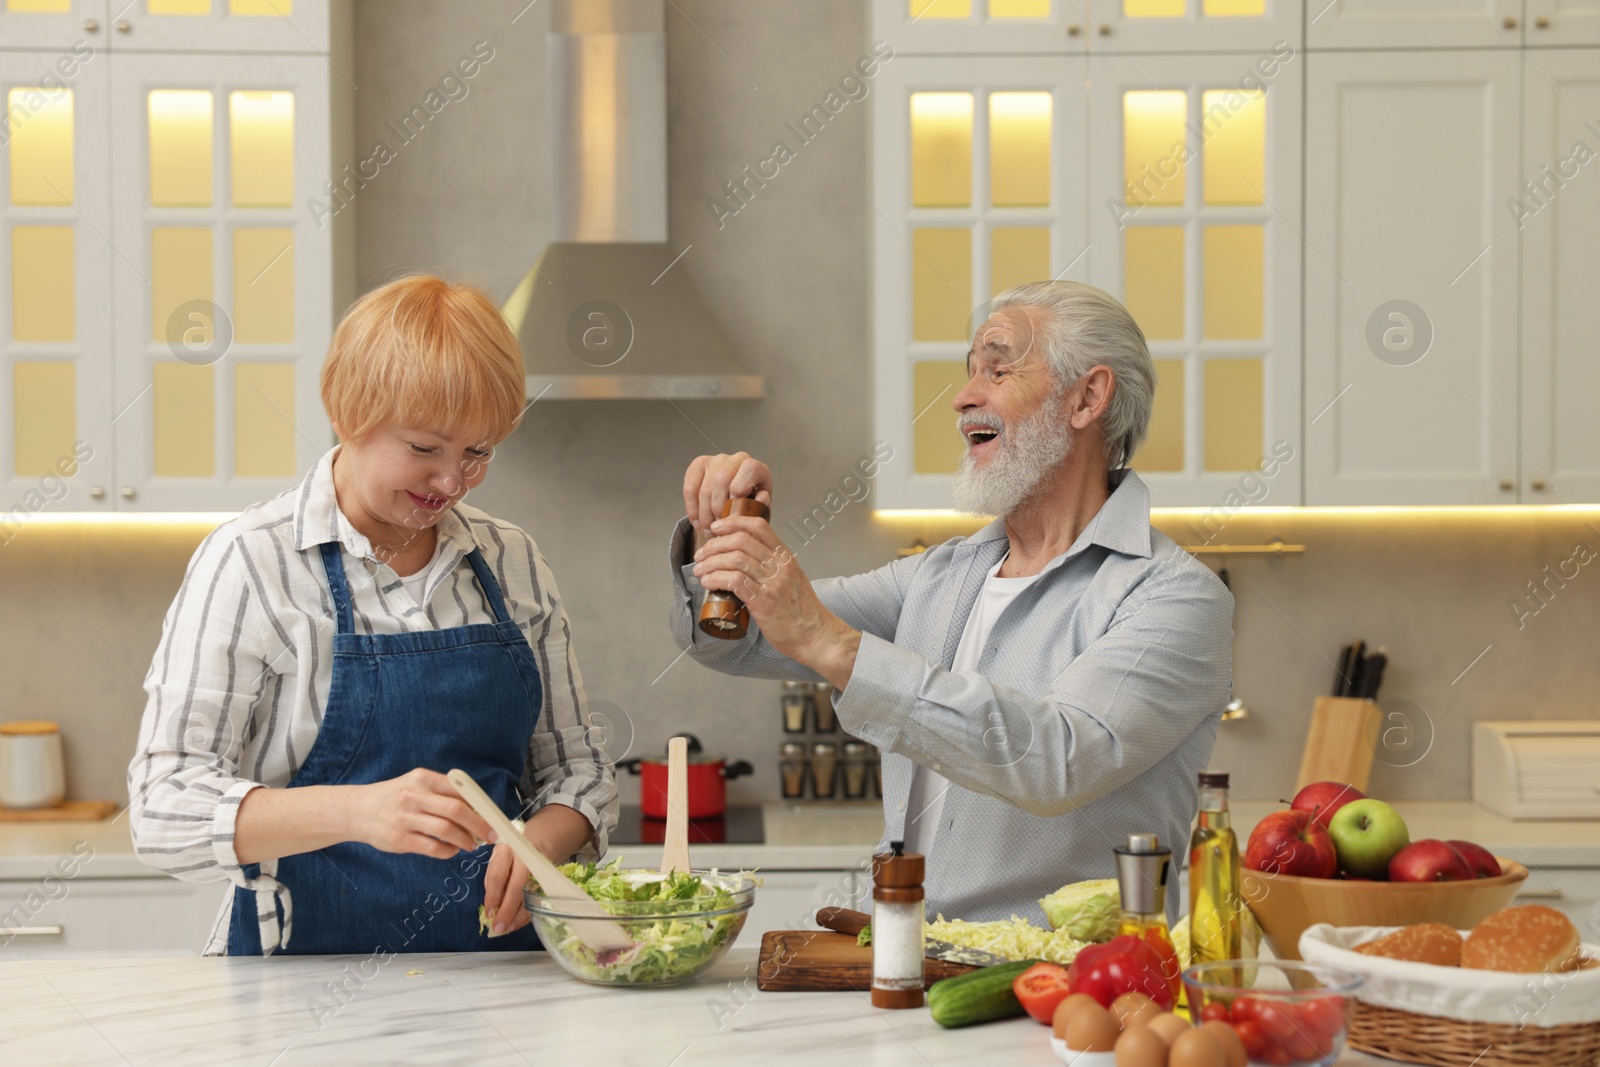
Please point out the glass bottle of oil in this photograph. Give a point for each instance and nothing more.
(1216, 930)
(1143, 867)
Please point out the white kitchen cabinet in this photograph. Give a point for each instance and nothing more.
(1194, 189)
(1129, 27)
(54, 24)
(978, 178)
(55, 272)
(1562, 22)
(1557, 212)
(1379, 24)
(224, 278)
(788, 900)
(977, 27)
(283, 26)
(1411, 277)
(1574, 891)
(95, 918)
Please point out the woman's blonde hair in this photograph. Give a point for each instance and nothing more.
(425, 353)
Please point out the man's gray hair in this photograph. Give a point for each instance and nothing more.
(1084, 327)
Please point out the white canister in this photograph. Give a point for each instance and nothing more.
(32, 774)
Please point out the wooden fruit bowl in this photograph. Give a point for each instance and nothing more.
(1286, 904)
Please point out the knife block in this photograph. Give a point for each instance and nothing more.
(1341, 742)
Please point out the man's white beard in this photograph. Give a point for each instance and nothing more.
(1026, 452)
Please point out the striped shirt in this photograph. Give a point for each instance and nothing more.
(241, 676)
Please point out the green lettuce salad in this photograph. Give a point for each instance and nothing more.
(678, 923)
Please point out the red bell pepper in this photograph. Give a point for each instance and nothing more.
(1125, 964)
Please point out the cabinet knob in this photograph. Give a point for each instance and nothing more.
(97, 492)
(124, 26)
(1542, 22)
(1105, 29)
(128, 492)
(1510, 22)
(1506, 485)
(1539, 483)
(1073, 29)
(91, 25)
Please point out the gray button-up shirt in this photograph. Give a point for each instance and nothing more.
(1094, 705)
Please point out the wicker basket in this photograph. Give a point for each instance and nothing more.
(1414, 1038)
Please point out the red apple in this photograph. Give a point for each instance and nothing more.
(1290, 842)
(1479, 859)
(1429, 860)
(1322, 799)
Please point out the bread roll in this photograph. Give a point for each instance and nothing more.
(1433, 943)
(1526, 939)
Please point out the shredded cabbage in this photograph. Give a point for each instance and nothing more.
(1015, 939)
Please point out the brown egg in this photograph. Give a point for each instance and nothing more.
(1228, 1038)
(1140, 1046)
(1066, 1009)
(1196, 1049)
(1093, 1029)
(1134, 1009)
(1168, 1025)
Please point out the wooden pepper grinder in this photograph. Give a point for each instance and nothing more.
(897, 916)
(723, 614)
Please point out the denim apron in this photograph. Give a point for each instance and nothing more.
(465, 697)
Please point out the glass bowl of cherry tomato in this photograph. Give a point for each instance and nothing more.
(1284, 1013)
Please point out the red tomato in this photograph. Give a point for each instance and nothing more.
(1275, 1020)
(1244, 1009)
(1324, 1014)
(1040, 988)
(1300, 1045)
(1214, 1009)
(1125, 964)
(1255, 1042)
(1278, 1056)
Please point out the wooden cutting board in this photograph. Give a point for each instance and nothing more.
(71, 811)
(820, 961)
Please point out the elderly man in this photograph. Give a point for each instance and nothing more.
(1040, 689)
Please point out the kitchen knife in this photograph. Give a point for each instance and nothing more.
(1358, 660)
(1372, 674)
(846, 921)
(1340, 670)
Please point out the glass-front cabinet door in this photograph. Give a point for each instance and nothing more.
(1123, 27)
(976, 27)
(978, 185)
(222, 282)
(1195, 197)
(285, 26)
(69, 25)
(55, 224)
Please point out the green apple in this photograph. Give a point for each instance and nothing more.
(1367, 833)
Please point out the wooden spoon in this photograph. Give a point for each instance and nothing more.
(675, 845)
(602, 934)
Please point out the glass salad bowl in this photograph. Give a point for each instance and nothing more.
(680, 925)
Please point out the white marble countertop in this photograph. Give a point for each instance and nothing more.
(489, 1010)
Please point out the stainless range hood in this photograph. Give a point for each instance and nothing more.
(609, 312)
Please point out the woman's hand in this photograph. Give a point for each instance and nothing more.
(745, 557)
(712, 480)
(420, 811)
(558, 832)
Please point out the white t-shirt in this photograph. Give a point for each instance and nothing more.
(415, 583)
(925, 803)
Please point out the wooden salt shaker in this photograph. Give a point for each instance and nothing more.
(897, 916)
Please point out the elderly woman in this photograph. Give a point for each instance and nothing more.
(333, 651)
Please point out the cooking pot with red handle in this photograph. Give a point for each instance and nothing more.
(708, 778)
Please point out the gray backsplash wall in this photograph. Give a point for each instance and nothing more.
(597, 483)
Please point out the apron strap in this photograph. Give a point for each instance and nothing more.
(334, 565)
(490, 587)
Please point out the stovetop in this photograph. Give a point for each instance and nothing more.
(739, 825)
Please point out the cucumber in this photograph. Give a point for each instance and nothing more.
(977, 997)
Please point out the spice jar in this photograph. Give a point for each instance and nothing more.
(797, 706)
(826, 722)
(824, 764)
(792, 769)
(897, 914)
(857, 754)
